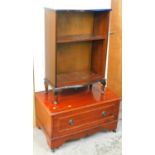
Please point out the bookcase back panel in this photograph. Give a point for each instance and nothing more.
(74, 57)
(74, 23)
(98, 60)
(101, 23)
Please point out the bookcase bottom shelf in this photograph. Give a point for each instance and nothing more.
(77, 78)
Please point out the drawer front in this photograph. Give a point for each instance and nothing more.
(69, 123)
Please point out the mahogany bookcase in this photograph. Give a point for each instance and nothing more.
(75, 48)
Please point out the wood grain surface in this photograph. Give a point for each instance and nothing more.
(78, 114)
(50, 46)
(74, 23)
(115, 48)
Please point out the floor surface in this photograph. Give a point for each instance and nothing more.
(102, 143)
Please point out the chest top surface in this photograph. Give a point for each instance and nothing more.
(71, 100)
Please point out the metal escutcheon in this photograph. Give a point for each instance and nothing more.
(71, 122)
(104, 113)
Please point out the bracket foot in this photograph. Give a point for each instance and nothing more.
(53, 150)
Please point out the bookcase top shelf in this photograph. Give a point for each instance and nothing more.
(78, 38)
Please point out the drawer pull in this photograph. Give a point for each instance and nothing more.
(71, 122)
(104, 113)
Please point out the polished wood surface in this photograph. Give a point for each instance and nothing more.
(75, 42)
(73, 57)
(77, 78)
(73, 98)
(101, 23)
(101, 27)
(43, 117)
(78, 114)
(115, 48)
(79, 38)
(74, 23)
(50, 46)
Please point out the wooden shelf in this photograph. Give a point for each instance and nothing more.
(77, 78)
(78, 38)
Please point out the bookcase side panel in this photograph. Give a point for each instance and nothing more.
(50, 46)
(99, 49)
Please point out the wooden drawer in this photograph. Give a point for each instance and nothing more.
(83, 119)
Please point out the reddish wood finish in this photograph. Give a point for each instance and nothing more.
(79, 38)
(88, 115)
(75, 41)
(99, 48)
(77, 78)
(115, 48)
(50, 46)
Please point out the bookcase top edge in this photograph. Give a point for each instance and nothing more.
(80, 10)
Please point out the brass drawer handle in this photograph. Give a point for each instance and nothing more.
(104, 113)
(71, 122)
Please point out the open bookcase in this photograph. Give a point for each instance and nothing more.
(75, 47)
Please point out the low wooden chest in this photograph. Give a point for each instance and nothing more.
(78, 114)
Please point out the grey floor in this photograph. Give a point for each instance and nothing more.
(107, 143)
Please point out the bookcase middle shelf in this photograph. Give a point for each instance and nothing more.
(78, 38)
